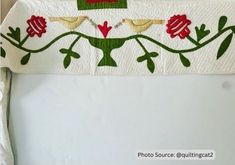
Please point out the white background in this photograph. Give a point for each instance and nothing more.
(71, 120)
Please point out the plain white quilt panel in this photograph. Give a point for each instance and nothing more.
(83, 120)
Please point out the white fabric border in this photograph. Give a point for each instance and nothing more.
(51, 61)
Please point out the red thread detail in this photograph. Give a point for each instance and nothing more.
(37, 26)
(178, 26)
(105, 29)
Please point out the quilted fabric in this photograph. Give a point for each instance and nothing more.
(158, 37)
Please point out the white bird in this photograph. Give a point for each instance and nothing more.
(69, 22)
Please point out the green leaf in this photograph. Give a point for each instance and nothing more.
(64, 51)
(69, 53)
(233, 29)
(184, 60)
(201, 33)
(74, 54)
(222, 22)
(224, 45)
(142, 58)
(67, 61)
(153, 54)
(148, 57)
(3, 52)
(14, 33)
(25, 59)
(150, 65)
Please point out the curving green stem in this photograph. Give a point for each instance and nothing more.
(185, 50)
(24, 40)
(142, 46)
(123, 39)
(74, 42)
(192, 40)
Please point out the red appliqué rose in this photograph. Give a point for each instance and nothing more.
(37, 26)
(178, 26)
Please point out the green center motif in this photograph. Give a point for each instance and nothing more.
(84, 5)
(107, 45)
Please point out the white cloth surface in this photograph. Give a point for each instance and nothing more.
(203, 61)
(51, 61)
(87, 120)
(6, 157)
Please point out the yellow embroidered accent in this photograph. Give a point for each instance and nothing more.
(69, 22)
(141, 25)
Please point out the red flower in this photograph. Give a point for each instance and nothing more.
(178, 26)
(37, 26)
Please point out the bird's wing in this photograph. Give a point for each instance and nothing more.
(141, 22)
(69, 22)
(69, 19)
(66, 19)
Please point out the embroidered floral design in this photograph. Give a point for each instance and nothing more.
(105, 29)
(37, 26)
(178, 26)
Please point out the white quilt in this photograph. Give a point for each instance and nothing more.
(157, 37)
(149, 37)
(96, 120)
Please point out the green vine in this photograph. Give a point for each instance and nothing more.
(108, 45)
(123, 39)
(147, 57)
(70, 53)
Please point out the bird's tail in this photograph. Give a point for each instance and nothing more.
(158, 21)
(53, 19)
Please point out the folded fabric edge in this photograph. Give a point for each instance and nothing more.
(6, 154)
